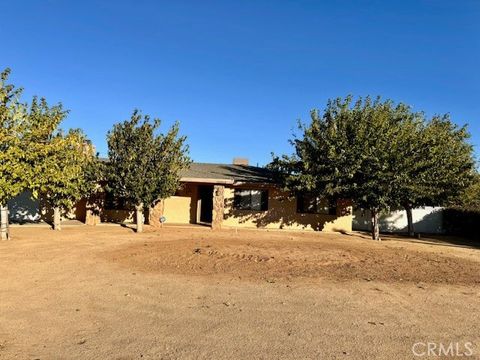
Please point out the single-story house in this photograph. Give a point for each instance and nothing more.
(233, 195)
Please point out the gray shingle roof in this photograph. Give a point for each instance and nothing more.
(227, 173)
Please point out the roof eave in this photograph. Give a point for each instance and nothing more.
(207, 180)
(258, 183)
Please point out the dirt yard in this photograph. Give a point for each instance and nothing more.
(107, 293)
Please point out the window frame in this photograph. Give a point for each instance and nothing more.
(237, 199)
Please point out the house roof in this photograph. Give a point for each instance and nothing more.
(227, 174)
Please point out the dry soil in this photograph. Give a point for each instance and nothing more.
(107, 293)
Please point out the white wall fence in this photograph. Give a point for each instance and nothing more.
(427, 220)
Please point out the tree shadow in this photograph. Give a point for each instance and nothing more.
(430, 223)
(245, 173)
(24, 209)
(283, 214)
(395, 221)
(131, 227)
(118, 216)
(436, 239)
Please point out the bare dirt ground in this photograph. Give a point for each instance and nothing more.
(107, 293)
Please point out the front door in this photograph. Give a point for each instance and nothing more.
(205, 195)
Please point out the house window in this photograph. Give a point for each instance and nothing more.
(251, 199)
(311, 204)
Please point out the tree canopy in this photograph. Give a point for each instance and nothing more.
(36, 155)
(379, 154)
(469, 199)
(12, 155)
(143, 165)
(12, 118)
(435, 162)
(60, 162)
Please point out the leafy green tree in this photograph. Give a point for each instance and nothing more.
(346, 154)
(380, 155)
(36, 155)
(12, 169)
(435, 164)
(144, 167)
(469, 199)
(60, 164)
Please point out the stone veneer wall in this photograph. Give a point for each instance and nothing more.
(155, 213)
(218, 206)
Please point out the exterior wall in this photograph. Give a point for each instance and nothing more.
(182, 208)
(177, 209)
(282, 214)
(425, 220)
(23, 208)
(78, 212)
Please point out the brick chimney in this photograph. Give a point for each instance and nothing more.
(240, 161)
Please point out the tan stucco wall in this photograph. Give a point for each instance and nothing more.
(77, 212)
(177, 209)
(282, 214)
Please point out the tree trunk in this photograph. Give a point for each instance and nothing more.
(375, 226)
(139, 216)
(411, 231)
(410, 228)
(57, 218)
(5, 234)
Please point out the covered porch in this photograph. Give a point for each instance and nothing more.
(194, 203)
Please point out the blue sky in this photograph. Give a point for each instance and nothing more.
(238, 74)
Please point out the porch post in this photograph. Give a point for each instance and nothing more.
(218, 206)
(155, 213)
